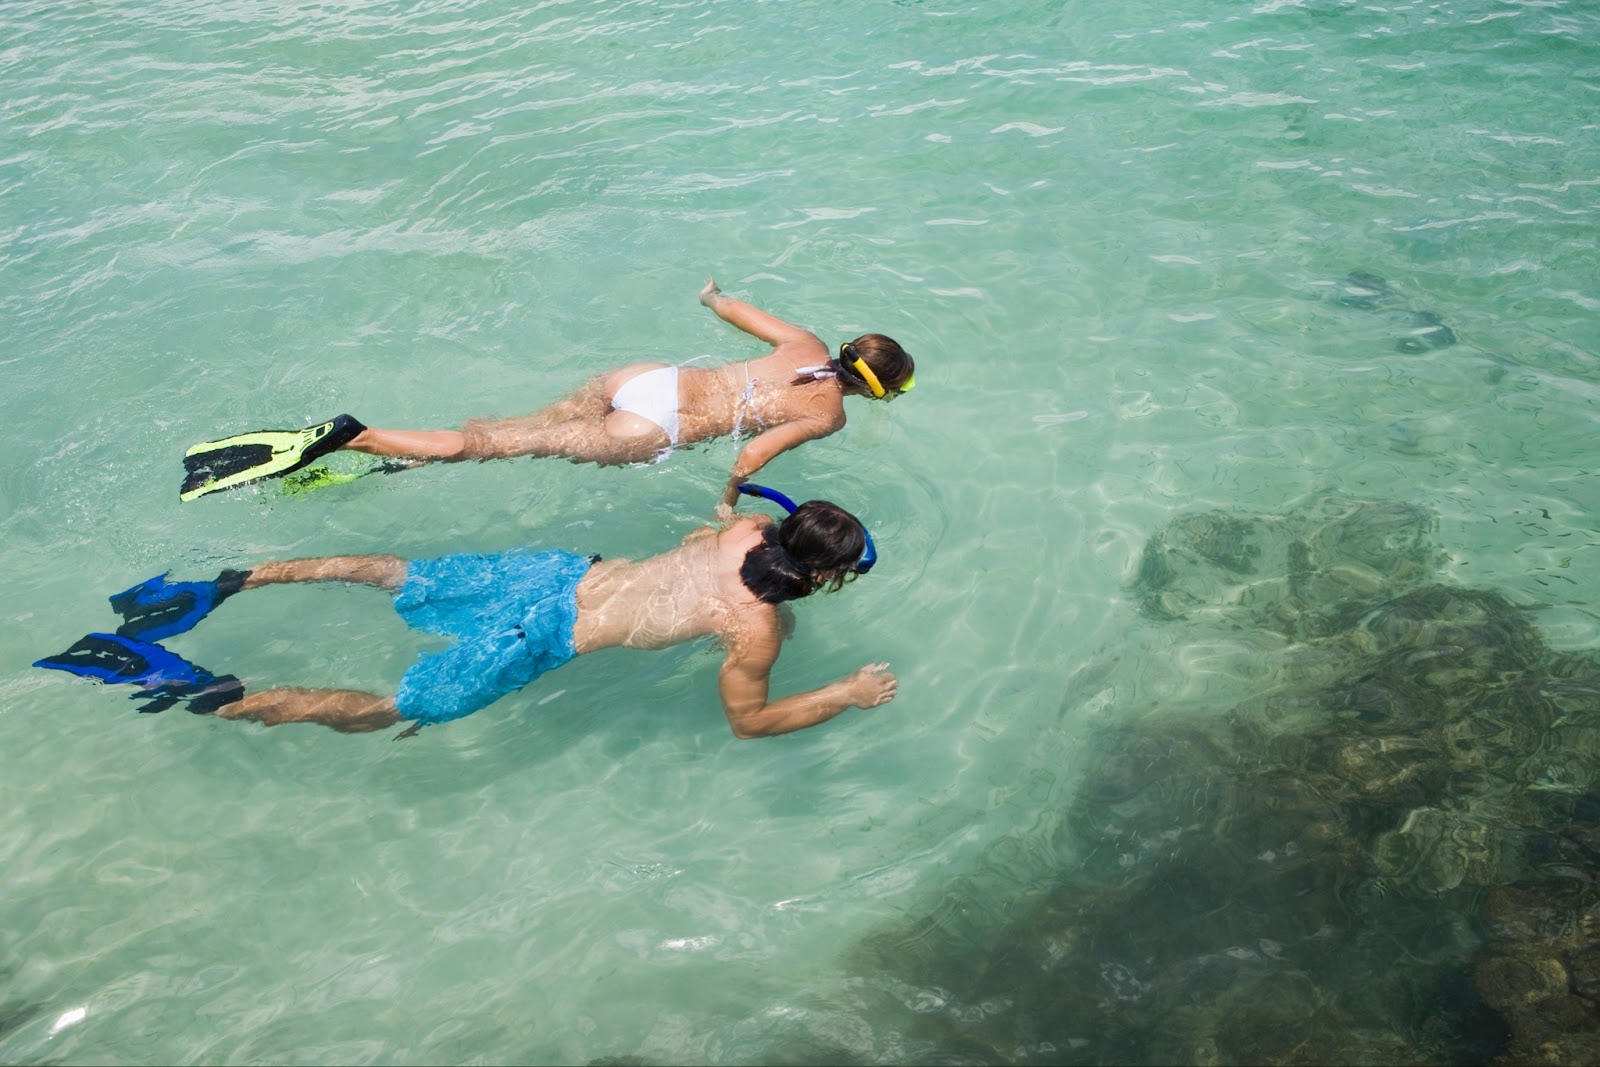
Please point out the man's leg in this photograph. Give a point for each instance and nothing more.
(345, 710)
(386, 572)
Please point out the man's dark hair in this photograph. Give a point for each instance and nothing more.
(819, 545)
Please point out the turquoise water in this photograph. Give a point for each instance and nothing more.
(1120, 241)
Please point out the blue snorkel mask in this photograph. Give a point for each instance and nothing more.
(868, 558)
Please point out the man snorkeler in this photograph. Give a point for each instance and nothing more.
(792, 395)
(518, 614)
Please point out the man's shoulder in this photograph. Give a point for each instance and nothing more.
(753, 629)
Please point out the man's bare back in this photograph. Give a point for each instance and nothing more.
(692, 591)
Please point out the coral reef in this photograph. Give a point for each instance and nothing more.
(1383, 853)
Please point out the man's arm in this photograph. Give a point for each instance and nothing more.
(765, 447)
(752, 320)
(744, 687)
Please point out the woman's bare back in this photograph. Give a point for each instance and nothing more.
(751, 396)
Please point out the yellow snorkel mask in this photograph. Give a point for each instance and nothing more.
(848, 357)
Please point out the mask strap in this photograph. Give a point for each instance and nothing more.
(847, 355)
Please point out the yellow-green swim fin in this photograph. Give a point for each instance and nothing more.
(314, 478)
(213, 466)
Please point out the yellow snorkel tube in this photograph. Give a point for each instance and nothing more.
(848, 357)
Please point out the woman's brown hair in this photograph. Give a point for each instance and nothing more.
(891, 363)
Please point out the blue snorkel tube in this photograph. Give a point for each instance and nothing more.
(868, 558)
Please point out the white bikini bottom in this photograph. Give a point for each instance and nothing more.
(652, 394)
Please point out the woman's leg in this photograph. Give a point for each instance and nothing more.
(345, 710)
(621, 437)
(585, 428)
(409, 444)
(488, 438)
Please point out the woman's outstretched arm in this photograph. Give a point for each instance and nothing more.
(751, 319)
(764, 448)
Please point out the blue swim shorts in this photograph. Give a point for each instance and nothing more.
(512, 614)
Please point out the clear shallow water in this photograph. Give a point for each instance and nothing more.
(1116, 240)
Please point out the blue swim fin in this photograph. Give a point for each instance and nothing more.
(156, 608)
(163, 677)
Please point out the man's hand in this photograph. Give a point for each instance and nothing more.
(709, 292)
(872, 685)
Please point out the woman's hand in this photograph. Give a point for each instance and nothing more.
(730, 495)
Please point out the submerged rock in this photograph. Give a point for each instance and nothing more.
(1292, 573)
(1424, 331)
(1359, 289)
(1541, 973)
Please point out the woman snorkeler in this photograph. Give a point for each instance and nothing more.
(634, 414)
